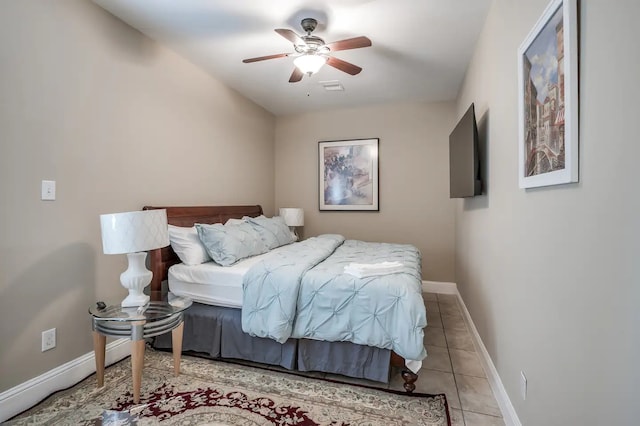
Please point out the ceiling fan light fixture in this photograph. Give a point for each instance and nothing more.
(309, 63)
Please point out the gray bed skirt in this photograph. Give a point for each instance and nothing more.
(216, 332)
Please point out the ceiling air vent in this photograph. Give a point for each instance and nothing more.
(332, 86)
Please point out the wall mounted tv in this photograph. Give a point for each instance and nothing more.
(464, 159)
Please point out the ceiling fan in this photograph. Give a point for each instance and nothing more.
(312, 52)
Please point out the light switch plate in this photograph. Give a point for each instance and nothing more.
(48, 190)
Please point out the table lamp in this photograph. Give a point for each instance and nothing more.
(292, 217)
(134, 233)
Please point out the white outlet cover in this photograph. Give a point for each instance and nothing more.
(48, 190)
(48, 339)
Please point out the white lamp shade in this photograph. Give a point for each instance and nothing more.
(309, 63)
(292, 216)
(133, 232)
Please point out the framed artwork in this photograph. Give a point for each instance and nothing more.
(548, 98)
(348, 175)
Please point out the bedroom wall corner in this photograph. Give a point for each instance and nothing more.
(414, 194)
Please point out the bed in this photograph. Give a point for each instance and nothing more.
(214, 323)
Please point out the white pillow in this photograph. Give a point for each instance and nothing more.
(233, 221)
(187, 245)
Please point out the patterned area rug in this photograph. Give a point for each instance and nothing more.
(220, 393)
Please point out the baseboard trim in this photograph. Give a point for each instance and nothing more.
(439, 287)
(27, 394)
(509, 414)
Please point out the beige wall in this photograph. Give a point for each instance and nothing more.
(118, 122)
(414, 175)
(550, 275)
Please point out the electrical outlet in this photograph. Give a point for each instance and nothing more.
(523, 385)
(48, 190)
(48, 339)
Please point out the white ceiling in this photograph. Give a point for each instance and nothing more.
(420, 48)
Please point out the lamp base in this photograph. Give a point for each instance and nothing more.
(135, 279)
(135, 300)
(294, 231)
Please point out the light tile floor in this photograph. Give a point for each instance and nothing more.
(452, 366)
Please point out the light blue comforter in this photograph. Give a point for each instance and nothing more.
(301, 291)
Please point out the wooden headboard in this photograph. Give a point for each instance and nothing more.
(161, 259)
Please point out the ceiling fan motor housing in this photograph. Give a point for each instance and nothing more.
(309, 24)
(313, 45)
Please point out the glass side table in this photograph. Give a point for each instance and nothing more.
(162, 314)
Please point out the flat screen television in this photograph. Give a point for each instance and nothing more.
(464, 159)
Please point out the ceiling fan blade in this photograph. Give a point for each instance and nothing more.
(291, 36)
(296, 75)
(262, 58)
(350, 43)
(343, 65)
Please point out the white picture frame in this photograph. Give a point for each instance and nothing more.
(548, 98)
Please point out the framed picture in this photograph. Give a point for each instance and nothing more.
(548, 98)
(348, 174)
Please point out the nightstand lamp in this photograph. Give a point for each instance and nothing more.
(134, 233)
(293, 217)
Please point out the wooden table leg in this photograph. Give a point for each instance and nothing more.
(137, 361)
(176, 342)
(99, 345)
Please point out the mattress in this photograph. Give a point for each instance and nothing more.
(210, 283)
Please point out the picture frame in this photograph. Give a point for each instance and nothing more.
(548, 98)
(348, 175)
